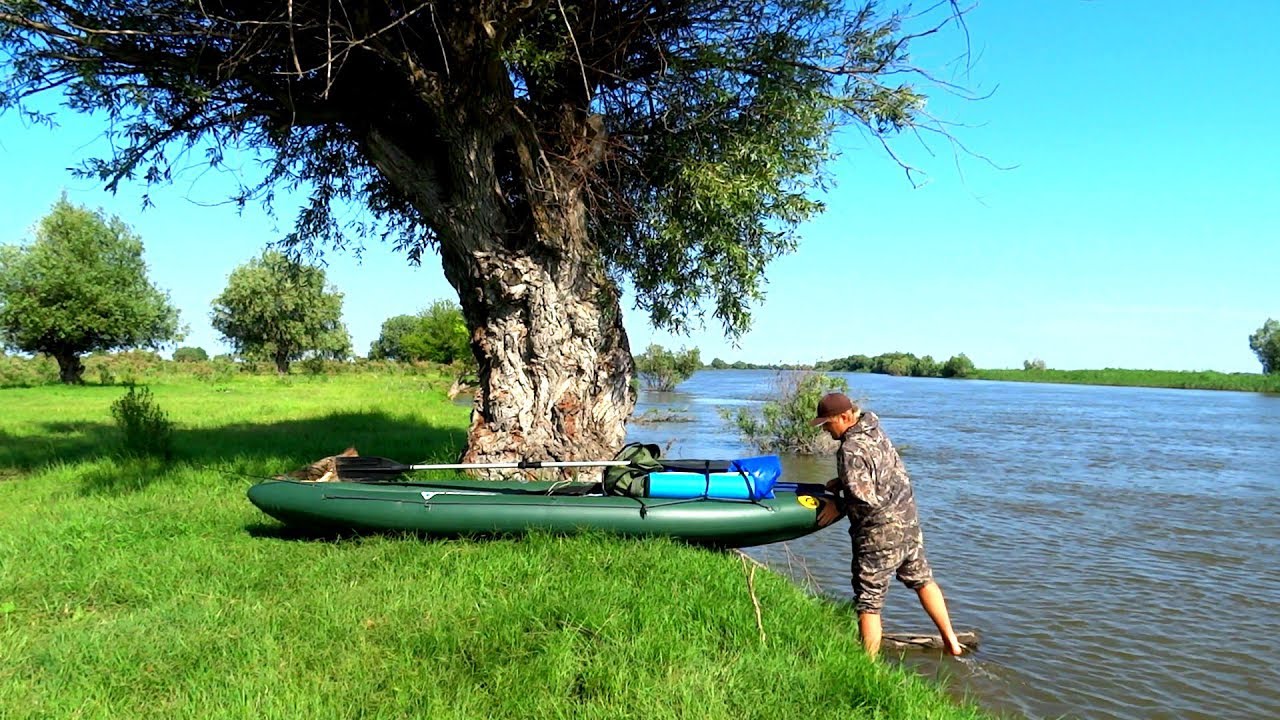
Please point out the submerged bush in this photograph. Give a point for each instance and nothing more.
(783, 422)
(662, 369)
(145, 428)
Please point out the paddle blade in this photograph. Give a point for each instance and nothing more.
(368, 468)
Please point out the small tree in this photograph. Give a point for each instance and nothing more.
(81, 287)
(958, 366)
(442, 335)
(390, 342)
(783, 424)
(663, 370)
(926, 367)
(1033, 365)
(438, 334)
(190, 354)
(899, 365)
(1266, 345)
(277, 309)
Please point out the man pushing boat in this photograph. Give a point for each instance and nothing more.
(883, 522)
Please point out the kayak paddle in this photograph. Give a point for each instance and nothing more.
(373, 468)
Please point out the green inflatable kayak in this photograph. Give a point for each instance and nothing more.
(474, 507)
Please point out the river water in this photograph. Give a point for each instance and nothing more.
(1118, 549)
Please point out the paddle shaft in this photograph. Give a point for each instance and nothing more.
(368, 467)
(522, 465)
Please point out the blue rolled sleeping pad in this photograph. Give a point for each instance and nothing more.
(743, 479)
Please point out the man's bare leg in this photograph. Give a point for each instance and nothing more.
(869, 629)
(934, 604)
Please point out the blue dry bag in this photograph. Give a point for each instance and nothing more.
(743, 479)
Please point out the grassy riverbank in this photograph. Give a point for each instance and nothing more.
(1187, 380)
(128, 589)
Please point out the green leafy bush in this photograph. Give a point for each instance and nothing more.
(438, 334)
(145, 428)
(1266, 345)
(190, 354)
(958, 366)
(661, 369)
(27, 372)
(926, 367)
(782, 424)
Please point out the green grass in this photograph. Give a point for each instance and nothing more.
(133, 589)
(1188, 380)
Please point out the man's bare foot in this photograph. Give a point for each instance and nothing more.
(952, 645)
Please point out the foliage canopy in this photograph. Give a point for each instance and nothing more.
(81, 287)
(550, 152)
(662, 369)
(277, 309)
(1265, 343)
(438, 333)
(190, 354)
(694, 133)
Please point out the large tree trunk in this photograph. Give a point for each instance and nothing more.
(70, 369)
(554, 365)
(546, 323)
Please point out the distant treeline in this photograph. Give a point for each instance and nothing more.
(1181, 379)
(896, 363)
(719, 364)
(901, 364)
(960, 366)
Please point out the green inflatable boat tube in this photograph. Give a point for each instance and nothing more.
(472, 507)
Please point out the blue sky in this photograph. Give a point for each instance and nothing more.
(1138, 225)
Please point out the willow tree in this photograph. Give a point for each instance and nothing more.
(547, 151)
(81, 286)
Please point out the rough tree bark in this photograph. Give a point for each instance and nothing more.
(70, 368)
(553, 358)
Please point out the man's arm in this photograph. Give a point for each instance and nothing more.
(858, 474)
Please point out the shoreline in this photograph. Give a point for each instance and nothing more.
(160, 584)
(1117, 377)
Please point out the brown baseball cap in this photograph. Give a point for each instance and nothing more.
(831, 405)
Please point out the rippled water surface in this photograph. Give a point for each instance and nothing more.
(1118, 549)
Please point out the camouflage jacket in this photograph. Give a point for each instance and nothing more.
(877, 489)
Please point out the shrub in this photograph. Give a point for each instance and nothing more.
(1035, 364)
(190, 354)
(438, 334)
(783, 422)
(130, 367)
(926, 367)
(27, 372)
(223, 369)
(146, 429)
(959, 366)
(662, 369)
(1266, 345)
(105, 375)
(313, 365)
(898, 366)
